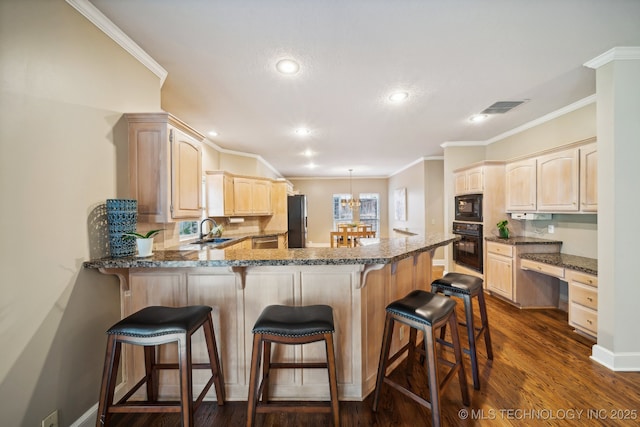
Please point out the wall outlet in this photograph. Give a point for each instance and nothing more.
(551, 228)
(51, 420)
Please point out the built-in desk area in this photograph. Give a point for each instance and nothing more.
(581, 274)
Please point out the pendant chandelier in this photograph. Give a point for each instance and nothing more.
(351, 201)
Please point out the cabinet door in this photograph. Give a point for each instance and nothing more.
(499, 275)
(475, 181)
(460, 183)
(558, 181)
(228, 195)
(242, 197)
(521, 186)
(186, 186)
(589, 178)
(261, 196)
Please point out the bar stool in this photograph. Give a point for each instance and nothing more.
(291, 325)
(426, 312)
(467, 287)
(150, 327)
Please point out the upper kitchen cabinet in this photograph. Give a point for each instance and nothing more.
(165, 167)
(220, 194)
(469, 181)
(252, 196)
(589, 178)
(520, 186)
(229, 195)
(558, 181)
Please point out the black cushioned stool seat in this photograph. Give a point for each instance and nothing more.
(150, 327)
(283, 324)
(466, 286)
(426, 312)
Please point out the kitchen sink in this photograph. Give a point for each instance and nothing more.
(214, 241)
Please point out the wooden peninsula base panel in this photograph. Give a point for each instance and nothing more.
(358, 294)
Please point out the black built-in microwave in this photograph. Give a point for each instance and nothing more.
(469, 207)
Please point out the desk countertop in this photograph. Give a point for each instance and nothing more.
(572, 262)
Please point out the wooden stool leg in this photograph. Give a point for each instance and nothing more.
(186, 386)
(457, 350)
(471, 332)
(433, 377)
(151, 372)
(109, 374)
(384, 355)
(256, 355)
(485, 324)
(333, 379)
(413, 336)
(214, 360)
(266, 371)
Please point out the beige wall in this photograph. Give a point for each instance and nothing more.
(320, 193)
(424, 183)
(64, 88)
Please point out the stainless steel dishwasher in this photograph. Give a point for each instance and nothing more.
(264, 242)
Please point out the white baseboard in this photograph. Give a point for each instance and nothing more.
(623, 361)
(89, 418)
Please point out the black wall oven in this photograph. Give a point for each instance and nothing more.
(469, 207)
(467, 252)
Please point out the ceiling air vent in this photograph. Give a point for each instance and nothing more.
(501, 107)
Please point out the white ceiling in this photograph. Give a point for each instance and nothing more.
(455, 57)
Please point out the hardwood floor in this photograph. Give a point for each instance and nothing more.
(541, 375)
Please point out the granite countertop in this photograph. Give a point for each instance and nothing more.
(572, 262)
(522, 240)
(387, 251)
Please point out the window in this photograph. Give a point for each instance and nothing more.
(369, 210)
(188, 230)
(341, 213)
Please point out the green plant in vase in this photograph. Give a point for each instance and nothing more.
(147, 235)
(503, 231)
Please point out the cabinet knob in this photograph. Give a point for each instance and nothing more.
(589, 321)
(590, 299)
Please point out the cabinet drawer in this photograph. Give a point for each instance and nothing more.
(497, 248)
(583, 278)
(550, 270)
(583, 318)
(583, 295)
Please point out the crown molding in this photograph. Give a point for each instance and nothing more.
(447, 144)
(98, 19)
(614, 54)
(240, 153)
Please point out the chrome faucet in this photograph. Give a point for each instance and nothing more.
(213, 222)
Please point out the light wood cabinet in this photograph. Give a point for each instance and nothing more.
(499, 271)
(251, 196)
(589, 178)
(229, 195)
(520, 186)
(165, 168)
(220, 194)
(563, 180)
(583, 302)
(558, 178)
(505, 277)
(469, 181)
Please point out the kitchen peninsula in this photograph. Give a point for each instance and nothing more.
(238, 283)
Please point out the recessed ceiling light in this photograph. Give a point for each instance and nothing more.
(307, 153)
(213, 133)
(477, 118)
(287, 66)
(398, 96)
(312, 166)
(302, 131)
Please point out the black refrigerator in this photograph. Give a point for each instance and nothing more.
(297, 224)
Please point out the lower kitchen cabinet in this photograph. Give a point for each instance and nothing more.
(583, 302)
